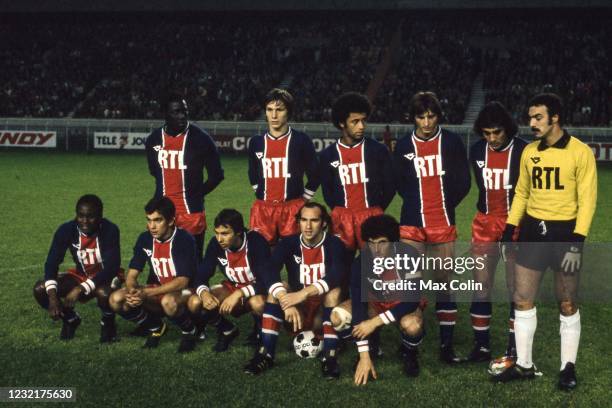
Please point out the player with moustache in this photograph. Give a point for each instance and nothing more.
(432, 176)
(495, 160)
(242, 256)
(93, 242)
(554, 204)
(177, 154)
(171, 255)
(313, 260)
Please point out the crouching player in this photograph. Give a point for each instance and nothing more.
(242, 255)
(171, 254)
(313, 260)
(381, 233)
(495, 160)
(93, 242)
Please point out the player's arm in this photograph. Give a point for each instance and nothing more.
(311, 160)
(212, 163)
(205, 270)
(460, 172)
(260, 256)
(111, 254)
(521, 193)
(586, 185)
(55, 257)
(280, 256)
(327, 178)
(253, 166)
(151, 155)
(388, 182)
(400, 167)
(137, 263)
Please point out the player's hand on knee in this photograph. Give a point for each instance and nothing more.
(291, 299)
(229, 303)
(55, 308)
(209, 301)
(72, 296)
(364, 369)
(292, 315)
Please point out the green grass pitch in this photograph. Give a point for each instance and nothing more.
(38, 193)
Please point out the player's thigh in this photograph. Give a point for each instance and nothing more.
(526, 285)
(419, 246)
(485, 276)
(438, 254)
(65, 283)
(117, 298)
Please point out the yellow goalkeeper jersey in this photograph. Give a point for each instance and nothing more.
(557, 183)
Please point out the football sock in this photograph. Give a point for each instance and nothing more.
(374, 340)
(142, 318)
(570, 338)
(184, 322)
(480, 313)
(256, 320)
(346, 334)
(525, 324)
(511, 341)
(330, 337)
(412, 342)
(222, 325)
(69, 314)
(270, 326)
(447, 316)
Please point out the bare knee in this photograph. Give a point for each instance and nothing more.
(39, 289)
(194, 304)
(341, 318)
(257, 304)
(116, 300)
(412, 324)
(520, 304)
(568, 308)
(168, 303)
(271, 299)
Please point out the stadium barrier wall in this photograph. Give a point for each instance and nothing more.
(231, 137)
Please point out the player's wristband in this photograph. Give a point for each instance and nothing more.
(321, 286)
(508, 233)
(387, 317)
(50, 284)
(88, 286)
(363, 346)
(276, 289)
(201, 289)
(248, 291)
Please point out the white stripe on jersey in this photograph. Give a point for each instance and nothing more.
(419, 179)
(365, 176)
(508, 169)
(287, 164)
(441, 179)
(183, 171)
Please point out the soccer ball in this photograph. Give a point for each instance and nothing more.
(307, 345)
(499, 365)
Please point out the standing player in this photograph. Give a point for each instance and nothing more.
(433, 176)
(495, 160)
(313, 260)
(554, 205)
(93, 242)
(170, 253)
(278, 160)
(242, 255)
(177, 154)
(357, 174)
(367, 313)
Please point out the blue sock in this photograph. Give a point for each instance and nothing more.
(270, 327)
(480, 313)
(330, 337)
(447, 316)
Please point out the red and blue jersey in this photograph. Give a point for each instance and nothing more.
(496, 173)
(244, 266)
(358, 176)
(97, 256)
(167, 259)
(319, 265)
(277, 166)
(432, 177)
(178, 162)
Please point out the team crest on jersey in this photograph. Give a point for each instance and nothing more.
(535, 160)
(259, 155)
(157, 148)
(335, 163)
(297, 259)
(480, 163)
(409, 156)
(148, 252)
(77, 246)
(223, 261)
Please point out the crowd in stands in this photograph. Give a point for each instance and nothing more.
(224, 65)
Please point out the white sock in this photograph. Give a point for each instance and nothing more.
(569, 329)
(525, 324)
